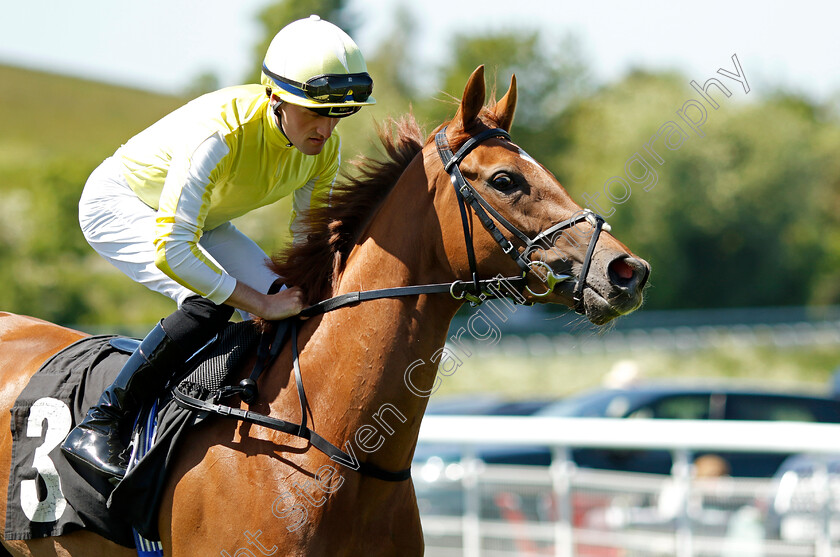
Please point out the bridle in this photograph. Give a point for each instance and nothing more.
(478, 290)
(475, 291)
(467, 194)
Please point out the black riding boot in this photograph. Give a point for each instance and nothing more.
(96, 442)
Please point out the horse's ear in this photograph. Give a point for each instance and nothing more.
(472, 101)
(507, 106)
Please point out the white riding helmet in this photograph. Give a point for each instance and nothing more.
(313, 63)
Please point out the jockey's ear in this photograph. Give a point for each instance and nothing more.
(472, 101)
(507, 106)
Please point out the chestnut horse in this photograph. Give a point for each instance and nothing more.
(240, 489)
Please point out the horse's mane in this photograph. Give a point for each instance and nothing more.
(332, 230)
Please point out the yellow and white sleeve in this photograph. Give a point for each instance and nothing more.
(183, 207)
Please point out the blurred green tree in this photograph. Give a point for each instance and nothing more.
(46, 155)
(736, 217)
(204, 82)
(549, 73)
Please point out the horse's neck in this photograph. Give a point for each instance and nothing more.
(354, 361)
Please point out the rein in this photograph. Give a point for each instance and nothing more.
(475, 292)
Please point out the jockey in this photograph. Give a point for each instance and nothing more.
(159, 209)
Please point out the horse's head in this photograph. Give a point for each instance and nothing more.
(568, 253)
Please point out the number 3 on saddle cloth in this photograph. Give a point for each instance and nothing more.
(48, 496)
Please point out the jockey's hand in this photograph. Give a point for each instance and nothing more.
(273, 307)
(284, 304)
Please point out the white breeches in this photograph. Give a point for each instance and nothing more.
(121, 229)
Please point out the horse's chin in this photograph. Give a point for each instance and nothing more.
(598, 309)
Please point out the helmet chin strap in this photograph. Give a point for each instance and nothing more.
(276, 110)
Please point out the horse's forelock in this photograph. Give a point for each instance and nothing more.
(487, 119)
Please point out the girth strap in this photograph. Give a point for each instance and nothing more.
(317, 441)
(298, 430)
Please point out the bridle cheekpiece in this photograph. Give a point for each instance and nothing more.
(468, 195)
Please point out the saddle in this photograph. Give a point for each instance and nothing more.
(48, 496)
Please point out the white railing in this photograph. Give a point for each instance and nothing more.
(561, 480)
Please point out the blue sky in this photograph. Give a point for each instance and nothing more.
(163, 45)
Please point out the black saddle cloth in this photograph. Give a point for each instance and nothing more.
(47, 496)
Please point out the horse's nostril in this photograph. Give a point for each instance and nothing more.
(622, 270)
(628, 272)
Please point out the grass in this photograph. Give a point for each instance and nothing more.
(801, 369)
(45, 116)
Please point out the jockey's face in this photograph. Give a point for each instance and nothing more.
(305, 129)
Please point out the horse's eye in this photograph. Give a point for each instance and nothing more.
(502, 181)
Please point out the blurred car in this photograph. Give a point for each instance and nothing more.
(806, 499)
(663, 401)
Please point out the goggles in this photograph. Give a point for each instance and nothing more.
(328, 88)
(335, 111)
